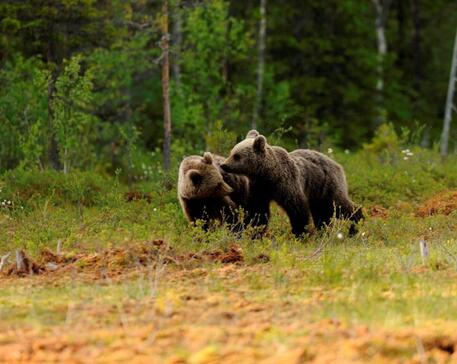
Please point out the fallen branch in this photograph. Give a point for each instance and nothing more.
(59, 247)
(4, 260)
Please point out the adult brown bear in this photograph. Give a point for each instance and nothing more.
(301, 182)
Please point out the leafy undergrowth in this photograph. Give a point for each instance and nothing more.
(132, 281)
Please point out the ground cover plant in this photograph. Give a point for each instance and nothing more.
(133, 281)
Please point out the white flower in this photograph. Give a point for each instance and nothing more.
(347, 151)
(405, 158)
(329, 150)
(340, 236)
(154, 209)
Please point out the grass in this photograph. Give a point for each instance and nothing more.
(369, 298)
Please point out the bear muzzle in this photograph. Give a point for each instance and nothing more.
(226, 168)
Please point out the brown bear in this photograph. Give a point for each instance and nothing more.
(208, 193)
(301, 182)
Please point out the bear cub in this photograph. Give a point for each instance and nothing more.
(208, 193)
(303, 182)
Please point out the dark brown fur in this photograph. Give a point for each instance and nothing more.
(302, 182)
(208, 193)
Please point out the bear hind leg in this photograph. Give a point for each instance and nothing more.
(322, 214)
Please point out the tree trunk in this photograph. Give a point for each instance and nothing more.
(261, 63)
(381, 8)
(449, 102)
(401, 34)
(417, 53)
(53, 148)
(165, 87)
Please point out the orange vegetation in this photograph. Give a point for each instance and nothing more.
(444, 203)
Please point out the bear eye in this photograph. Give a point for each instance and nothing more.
(236, 157)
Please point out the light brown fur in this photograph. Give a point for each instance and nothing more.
(207, 193)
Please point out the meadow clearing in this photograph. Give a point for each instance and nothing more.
(131, 281)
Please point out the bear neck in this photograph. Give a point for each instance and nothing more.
(279, 167)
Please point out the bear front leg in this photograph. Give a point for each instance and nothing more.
(297, 208)
(257, 213)
(196, 210)
(231, 215)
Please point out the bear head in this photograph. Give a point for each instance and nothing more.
(199, 177)
(248, 156)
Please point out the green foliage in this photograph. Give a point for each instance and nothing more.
(406, 176)
(385, 141)
(23, 113)
(220, 141)
(74, 74)
(74, 127)
(214, 39)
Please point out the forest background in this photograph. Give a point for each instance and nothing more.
(81, 81)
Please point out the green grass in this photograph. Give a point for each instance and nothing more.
(378, 278)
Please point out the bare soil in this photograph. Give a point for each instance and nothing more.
(196, 322)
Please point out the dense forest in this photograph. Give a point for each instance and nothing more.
(82, 80)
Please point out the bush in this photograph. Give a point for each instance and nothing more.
(409, 175)
(23, 188)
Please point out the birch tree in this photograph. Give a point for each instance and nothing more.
(381, 10)
(449, 102)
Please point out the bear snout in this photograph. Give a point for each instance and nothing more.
(225, 167)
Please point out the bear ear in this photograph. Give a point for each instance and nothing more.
(252, 134)
(208, 158)
(195, 177)
(259, 144)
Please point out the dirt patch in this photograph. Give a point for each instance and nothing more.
(443, 343)
(233, 254)
(243, 340)
(377, 211)
(443, 204)
(115, 261)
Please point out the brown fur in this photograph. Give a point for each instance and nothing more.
(302, 182)
(207, 193)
